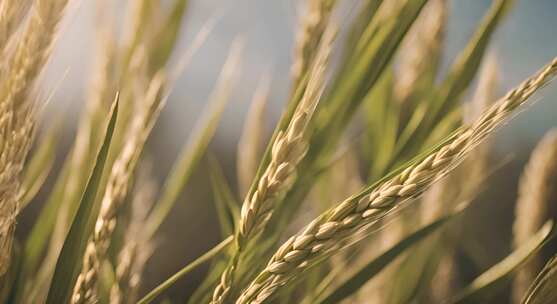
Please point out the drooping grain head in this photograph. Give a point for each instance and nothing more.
(327, 233)
(287, 150)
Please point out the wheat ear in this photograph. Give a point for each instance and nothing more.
(536, 191)
(116, 189)
(288, 149)
(327, 233)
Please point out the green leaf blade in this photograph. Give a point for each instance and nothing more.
(372, 268)
(174, 278)
(68, 264)
(492, 279)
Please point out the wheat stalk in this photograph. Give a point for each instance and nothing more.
(288, 149)
(327, 233)
(536, 191)
(116, 189)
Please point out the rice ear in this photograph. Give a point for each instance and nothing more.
(329, 231)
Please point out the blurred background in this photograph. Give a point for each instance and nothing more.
(525, 41)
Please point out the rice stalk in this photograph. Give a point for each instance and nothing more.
(535, 194)
(251, 144)
(327, 233)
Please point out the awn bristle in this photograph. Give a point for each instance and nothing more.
(116, 190)
(287, 150)
(536, 196)
(251, 144)
(17, 111)
(327, 233)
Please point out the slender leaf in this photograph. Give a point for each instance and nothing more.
(167, 35)
(196, 147)
(203, 292)
(495, 277)
(40, 234)
(38, 167)
(174, 278)
(454, 85)
(69, 260)
(468, 62)
(360, 278)
(362, 72)
(227, 207)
